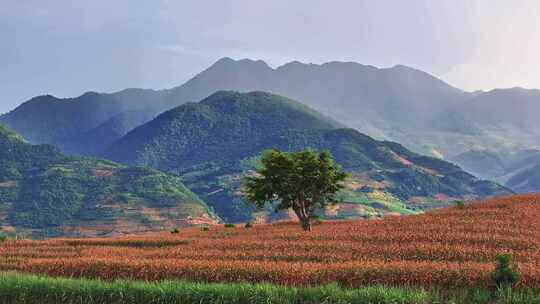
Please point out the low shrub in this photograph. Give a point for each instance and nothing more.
(505, 273)
(460, 204)
(229, 225)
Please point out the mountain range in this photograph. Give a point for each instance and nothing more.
(208, 132)
(212, 144)
(400, 104)
(390, 103)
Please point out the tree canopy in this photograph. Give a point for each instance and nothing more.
(304, 181)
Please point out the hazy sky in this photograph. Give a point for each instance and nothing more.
(68, 47)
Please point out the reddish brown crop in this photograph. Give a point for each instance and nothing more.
(445, 248)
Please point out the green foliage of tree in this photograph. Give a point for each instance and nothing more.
(304, 181)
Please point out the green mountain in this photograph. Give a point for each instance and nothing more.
(45, 193)
(214, 143)
(222, 128)
(71, 123)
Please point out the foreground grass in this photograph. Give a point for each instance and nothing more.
(30, 289)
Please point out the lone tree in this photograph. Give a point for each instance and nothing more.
(303, 181)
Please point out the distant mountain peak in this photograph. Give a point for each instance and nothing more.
(511, 90)
(45, 97)
(225, 60)
(250, 61)
(90, 94)
(401, 66)
(229, 62)
(293, 65)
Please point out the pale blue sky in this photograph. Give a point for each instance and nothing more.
(66, 47)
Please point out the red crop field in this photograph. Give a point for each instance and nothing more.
(446, 248)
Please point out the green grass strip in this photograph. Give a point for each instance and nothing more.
(18, 288)
(31, 289)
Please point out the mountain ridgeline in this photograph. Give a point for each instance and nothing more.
(375, 101)
(45, 193)
(400, 104)
(225, 126)
(72, 123)
(212, 144)
(397, 104)
(517, 170)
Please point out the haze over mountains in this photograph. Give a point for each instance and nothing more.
(518, 170)
(400, 104)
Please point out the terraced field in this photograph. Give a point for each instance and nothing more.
(447, 248)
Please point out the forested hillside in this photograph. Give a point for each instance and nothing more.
(44, 193)
(214, 143)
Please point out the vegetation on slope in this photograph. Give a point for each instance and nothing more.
(41, 189)
(217, 141)
(221, 129)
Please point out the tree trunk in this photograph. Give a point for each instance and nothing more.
(306, 224)
(302, 216)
